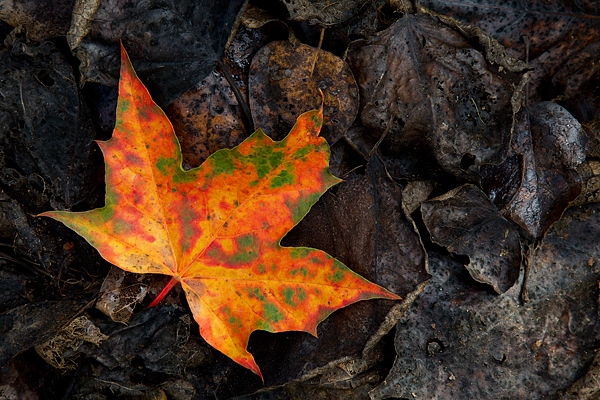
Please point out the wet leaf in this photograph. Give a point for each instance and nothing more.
(216, 228)
(45, 128)
(40, 19)
(173, 45)
(157, 345)
(281, 86)
(327, 12)
(466, 222)
(425, 85)
(548, 145)
(460, 341)
(563, 38)
(31, 324)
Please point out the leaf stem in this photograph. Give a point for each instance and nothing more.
(246, 114)
(164, 292)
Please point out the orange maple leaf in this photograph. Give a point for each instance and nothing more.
(216, 229)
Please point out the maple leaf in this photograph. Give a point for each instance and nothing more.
(216, 229)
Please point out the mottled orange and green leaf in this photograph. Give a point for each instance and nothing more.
(216, 228)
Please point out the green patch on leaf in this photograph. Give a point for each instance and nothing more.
(301, 294)
(338, 272)
(264, 160)
(107, 212)
(271, 313)
(293, 297)
(299, 252)
(288, 296)
(222, 162)
(303, 152)
(247, 250)
(303, 206)
(123, 105)
(121, 227)
(164, 165)
(181, 176)
(285, 177)
(255, 293)
(234, 321)
(301, 270)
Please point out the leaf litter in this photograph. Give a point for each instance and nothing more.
(42, 260)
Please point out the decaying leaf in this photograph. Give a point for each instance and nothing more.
(173, 45)
(459, 340)
(40, 19)
(216, 228)
(329, 12)
(548, 145)
(466, 222)
(120, 293)
(33, 323)
(285, 79)
(58, 350)
(40, 109)
(425, 85)
(559, 39)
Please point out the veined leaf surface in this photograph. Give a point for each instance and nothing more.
(216, 229)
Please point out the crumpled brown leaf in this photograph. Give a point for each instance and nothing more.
(460, 340)
(422, 81)
(466, 222)
(560, 38)
(548, 144)
(39, 19)
(329, 12)
(282, 84)
(172, 45)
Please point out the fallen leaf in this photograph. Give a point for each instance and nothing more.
(548, 144)
(461, 341)
(207, 117)
(559, 38)
(425, 85)
(466, 222)
(330, 13)
(282, 83)
(59, 350)
(172, 44)
(33, 323)
(40, 19)
(363, 225)
(45, 129)
(120, 293)
(216, 228)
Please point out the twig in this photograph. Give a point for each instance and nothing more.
(246, 114)
(383, 135)
(312, 68)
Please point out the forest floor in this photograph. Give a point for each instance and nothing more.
(467, 137)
